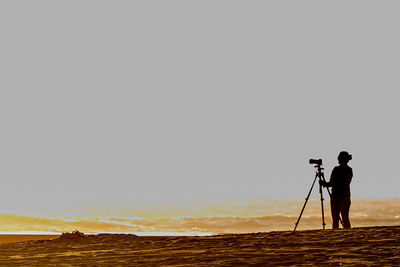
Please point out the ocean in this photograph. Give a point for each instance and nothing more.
(195, 216)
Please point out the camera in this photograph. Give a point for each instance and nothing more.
(315, 161)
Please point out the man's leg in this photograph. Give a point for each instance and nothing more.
(335, 212)
(344, 210)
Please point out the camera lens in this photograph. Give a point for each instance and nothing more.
(315, 161)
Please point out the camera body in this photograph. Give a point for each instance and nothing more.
(315, 161)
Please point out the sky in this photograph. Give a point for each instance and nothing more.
(152, 101)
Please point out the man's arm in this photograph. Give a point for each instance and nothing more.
(331, 180)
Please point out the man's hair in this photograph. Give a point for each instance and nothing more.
(344, 156)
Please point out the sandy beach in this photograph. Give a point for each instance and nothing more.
(367, 246)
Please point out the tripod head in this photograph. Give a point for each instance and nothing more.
(320, 171)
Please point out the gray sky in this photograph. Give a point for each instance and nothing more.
(160, 100)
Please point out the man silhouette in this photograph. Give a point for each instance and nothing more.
(340, 182)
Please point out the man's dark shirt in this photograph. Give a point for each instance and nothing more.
(340, 180)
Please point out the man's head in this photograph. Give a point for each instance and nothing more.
(344, 157)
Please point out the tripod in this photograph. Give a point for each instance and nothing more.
(320, 175)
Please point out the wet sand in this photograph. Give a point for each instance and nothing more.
(368, 246)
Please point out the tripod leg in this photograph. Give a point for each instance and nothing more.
(305, 203)
(322, 206)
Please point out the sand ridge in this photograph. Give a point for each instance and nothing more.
(368, 246)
